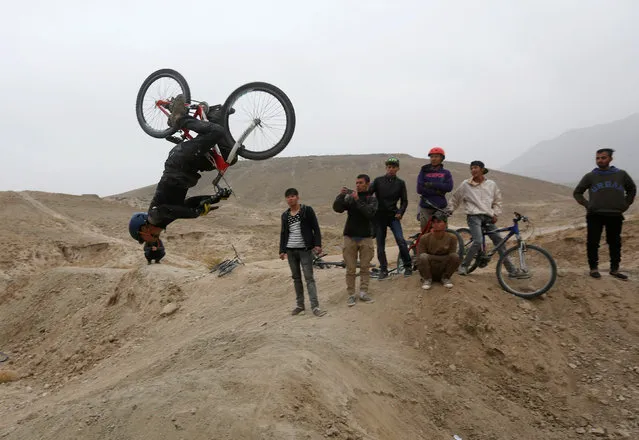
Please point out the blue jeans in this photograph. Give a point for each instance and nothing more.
(301, 260)
(475, 223)
(396, 228)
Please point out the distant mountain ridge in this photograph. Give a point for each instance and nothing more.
(566, 158)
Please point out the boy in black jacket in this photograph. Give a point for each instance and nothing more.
(390, 189)
(611, 191)
(359, 232)
(299, 237)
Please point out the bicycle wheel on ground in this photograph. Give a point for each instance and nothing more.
(461, 251)
(270, 109)
(152, 100)
(537, 271)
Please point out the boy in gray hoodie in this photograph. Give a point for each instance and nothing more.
(611, 191)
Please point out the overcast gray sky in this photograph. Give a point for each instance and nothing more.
(483, 79)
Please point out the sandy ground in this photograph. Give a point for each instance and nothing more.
(95, 358)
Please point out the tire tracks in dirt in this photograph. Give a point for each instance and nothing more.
(69, 222)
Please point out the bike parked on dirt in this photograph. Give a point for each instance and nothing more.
(537, 270)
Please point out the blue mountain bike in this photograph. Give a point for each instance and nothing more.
(524, 270)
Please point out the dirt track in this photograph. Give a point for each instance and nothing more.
(80, 319)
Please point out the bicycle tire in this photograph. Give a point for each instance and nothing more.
(538, 292)
(288, 109)
(162, 73)
(228, 269)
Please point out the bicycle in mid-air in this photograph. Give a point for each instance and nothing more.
(536, 270)
(413, 241)
(258, 117)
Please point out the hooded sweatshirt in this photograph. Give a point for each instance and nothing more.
(610, 192)
(439, 181)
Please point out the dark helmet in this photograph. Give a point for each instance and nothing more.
(392, 161)
(138, 220)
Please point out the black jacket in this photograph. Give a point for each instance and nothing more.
(361, 213)
(309, 225)
(389, 190)
(184, 164)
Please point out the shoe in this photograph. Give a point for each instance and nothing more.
(297, 311)
(148, 261)
(204, 208)
(427, 284)
(383, 275)
(463, 270)
(408, 272)
(363, 297)
(178, 110)
(447, 284)
(319, 312)
(618, 275)
(519, 274)
(595, 273)
(157, 261)
(351, 301)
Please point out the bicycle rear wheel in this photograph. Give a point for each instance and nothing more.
(537, 266)
(270, 109)
(154, 94)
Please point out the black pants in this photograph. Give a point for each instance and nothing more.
(181, 172)
(596, 224)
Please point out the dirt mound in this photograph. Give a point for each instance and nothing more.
(106, 346)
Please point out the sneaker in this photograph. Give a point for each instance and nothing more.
(148, 261)
(519, 274)
(447, 284)
(618, 275)
(408, 272)
(427, 284)
(383, 275)
(463, 270)
(178, 110)
(363, 297)
(297, 311)
(595, 273)
(319, 312)
(351, 301)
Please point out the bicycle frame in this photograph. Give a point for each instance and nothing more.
(425, 229)
(512, 231)
(216, 157)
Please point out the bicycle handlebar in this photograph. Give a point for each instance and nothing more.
(519, 217)
(430, 205)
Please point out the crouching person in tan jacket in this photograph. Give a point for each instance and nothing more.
(437, 257)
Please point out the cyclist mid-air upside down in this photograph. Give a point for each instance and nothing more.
(181, 171)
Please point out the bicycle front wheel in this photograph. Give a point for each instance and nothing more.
(268, 107)
(153, 97)
(535, 271)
